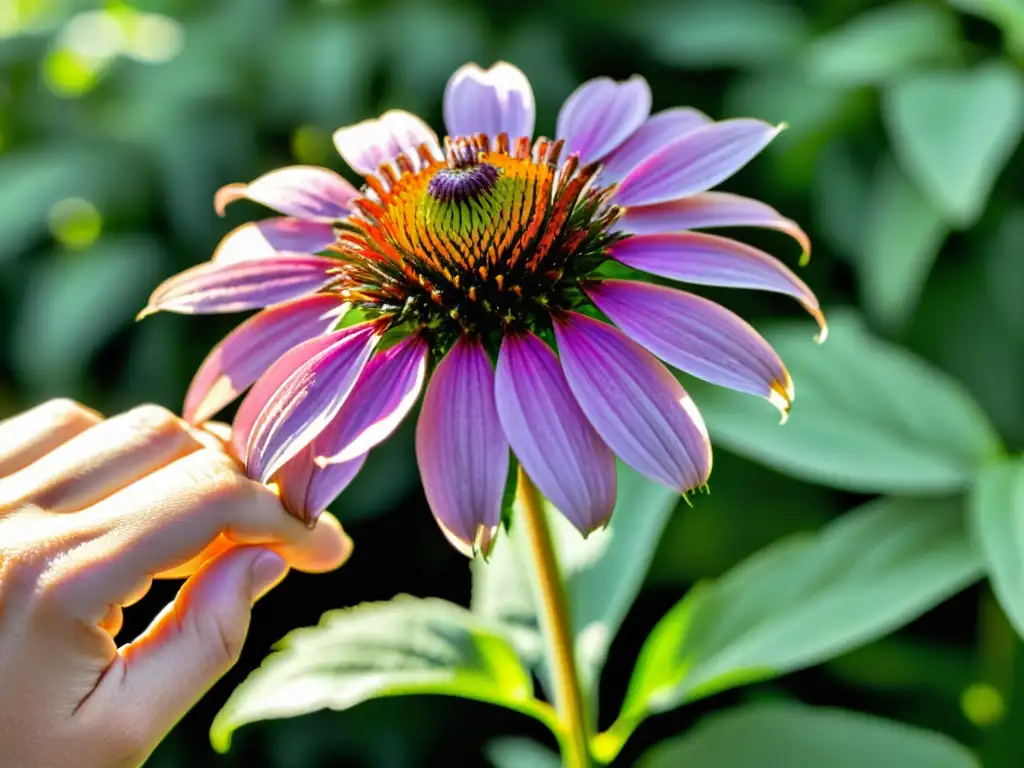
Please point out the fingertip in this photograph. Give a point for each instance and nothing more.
(330, 548)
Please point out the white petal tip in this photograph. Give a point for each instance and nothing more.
(226, 195)
(149, 310)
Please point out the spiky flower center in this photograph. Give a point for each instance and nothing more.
(490, 237)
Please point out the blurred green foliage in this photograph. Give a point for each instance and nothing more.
(119, 120)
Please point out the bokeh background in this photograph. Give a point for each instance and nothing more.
(119, 120)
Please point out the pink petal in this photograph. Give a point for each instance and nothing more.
(239, 286)
(696, 162)
(248, 351)
(601, 114)
(549, 434)
(490, 101)
(368, 145)
(303, 191)
(711, 260)
(270, 237)
(308, 400)
(307, 488)
(634, 403)
(268, 384)
(461, 448)
(697, 336)
(659, 130)
(707, 210)
(386, 391)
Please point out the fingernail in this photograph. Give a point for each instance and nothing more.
(266, 570)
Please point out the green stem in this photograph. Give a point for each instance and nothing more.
(557, 625)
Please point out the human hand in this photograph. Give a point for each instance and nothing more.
(91, 511)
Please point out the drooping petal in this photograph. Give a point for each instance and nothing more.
(302, 191)
(549, 434)
(308, 488)
(248, 351)
(712, 260)
(491, 101)
(460, 446)
(697, 336)
(696, 162)
(267, 384)
(271, 237)
(634, 403)
(601, 114)
(308, 400)
(368, 145)
(386, 391)
(659, 130)
(212, 288)
(708, 210)
(383, 396)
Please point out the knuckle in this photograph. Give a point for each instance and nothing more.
(63, 411)
(154, 420)
(218, 478)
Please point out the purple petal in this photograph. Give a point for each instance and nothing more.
(368, 145)
(696, 162)
(262, 239)
(303, 191)
(308, 487)
(248, 351)
(308, 400)
(549, 434)
(461, 448)
(491, 101)
(385, 393)
(267, 384)
(697, 336)
(659, 130)
(634, 403)
(212, 288)
(601, 114)
(711, 260)
(707, 210)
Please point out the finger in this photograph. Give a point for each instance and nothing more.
(29, 436)
(169, 517)
(102, 460)
(189, 646)
(320, 557)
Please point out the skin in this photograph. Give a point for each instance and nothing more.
(91, 511)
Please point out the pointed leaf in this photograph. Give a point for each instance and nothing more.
(954, 131)
(797, 736)
(400, 647)
(996, 518)
(801, 601)
(867, 417)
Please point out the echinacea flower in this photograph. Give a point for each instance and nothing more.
(478, 258)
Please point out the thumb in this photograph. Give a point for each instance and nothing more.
(194, 640)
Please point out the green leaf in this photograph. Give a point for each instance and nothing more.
(1004, 270)
(996, 515)
(799, 602)
(882, 43)
(401, 647)
(904, 234)
(725, 33)
(868, 416)
(603, 573)
(75, 301)
(521, 753)
(771, 735)
(953, 132)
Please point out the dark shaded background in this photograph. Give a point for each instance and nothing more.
(118, 121)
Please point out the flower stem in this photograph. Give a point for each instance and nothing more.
(557, 628)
